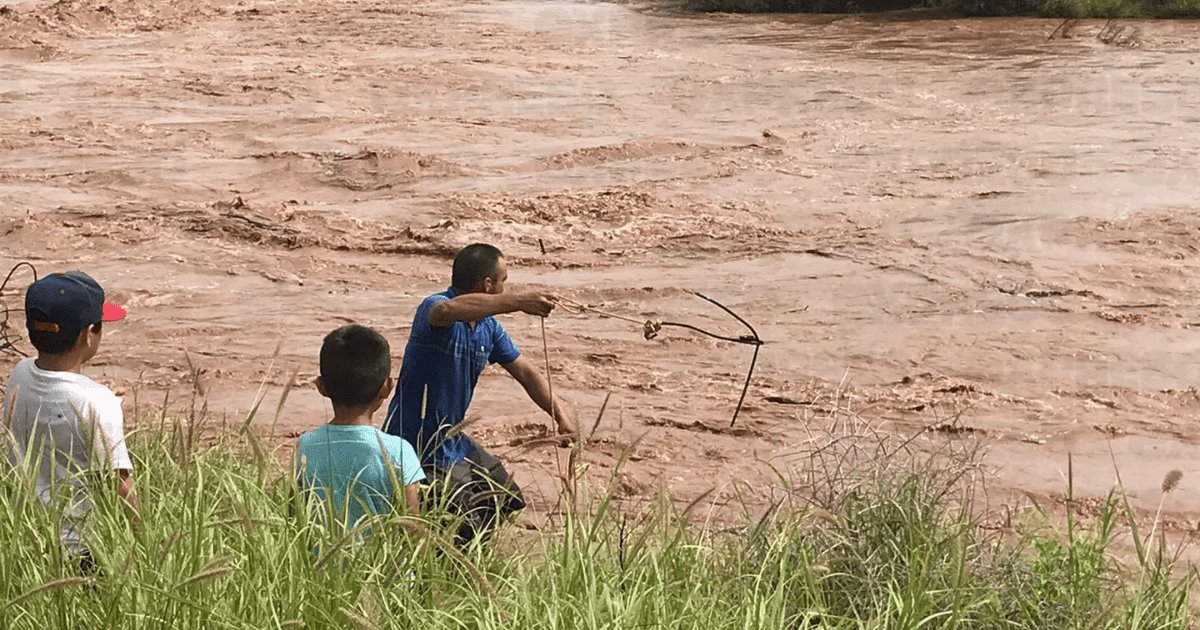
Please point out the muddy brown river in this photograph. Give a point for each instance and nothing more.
(963, 225)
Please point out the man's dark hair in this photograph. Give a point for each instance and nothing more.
(473, 264)
(53, 343)
(355, 362)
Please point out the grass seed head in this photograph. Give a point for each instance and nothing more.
(1171, 481)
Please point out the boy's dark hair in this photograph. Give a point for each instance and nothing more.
(355, 362)
(53, 343)
(473, 264)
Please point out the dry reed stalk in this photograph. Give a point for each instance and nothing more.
(262, 388)
(1169, 483)
(52, 585)
(287, 389)
(600, 416)
(553, 408)
(207, 574)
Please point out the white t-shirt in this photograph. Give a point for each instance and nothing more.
(63, 425)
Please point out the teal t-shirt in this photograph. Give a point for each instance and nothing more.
(353, 462)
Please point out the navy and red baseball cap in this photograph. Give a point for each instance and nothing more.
(67, 302)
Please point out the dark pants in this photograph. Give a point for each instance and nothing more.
(477, 490)
(85, 565)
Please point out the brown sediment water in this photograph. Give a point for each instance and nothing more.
(958, 224)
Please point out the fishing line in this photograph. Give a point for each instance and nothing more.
(651, 328)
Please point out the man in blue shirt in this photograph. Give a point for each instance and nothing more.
(454, 337)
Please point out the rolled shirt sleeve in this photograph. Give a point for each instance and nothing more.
(504, 351)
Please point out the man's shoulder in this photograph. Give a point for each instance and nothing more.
(423, 332)
(434, 298)
(427, 305)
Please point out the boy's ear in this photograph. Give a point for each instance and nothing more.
(321, 387)
(386, 390)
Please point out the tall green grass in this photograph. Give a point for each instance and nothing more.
(862, 536)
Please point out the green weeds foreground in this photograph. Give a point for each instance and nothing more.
(876, 545)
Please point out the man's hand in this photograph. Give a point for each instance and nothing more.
(568, 427)
(537, 304)
(527, 374)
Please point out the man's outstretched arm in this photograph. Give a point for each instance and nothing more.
(539, 392)
(476, 306)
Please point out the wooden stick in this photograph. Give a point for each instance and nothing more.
(553, 405)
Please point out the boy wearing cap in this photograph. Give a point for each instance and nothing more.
(348, 461)
(63, 425)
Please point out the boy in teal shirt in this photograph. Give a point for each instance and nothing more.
(348, 460)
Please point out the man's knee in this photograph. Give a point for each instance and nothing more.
(478, 492)
(501, 486)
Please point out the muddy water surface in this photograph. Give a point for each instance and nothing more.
(945, 221)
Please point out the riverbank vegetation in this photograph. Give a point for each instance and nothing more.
(866, 533)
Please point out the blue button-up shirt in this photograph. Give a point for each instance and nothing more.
(438, 375)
